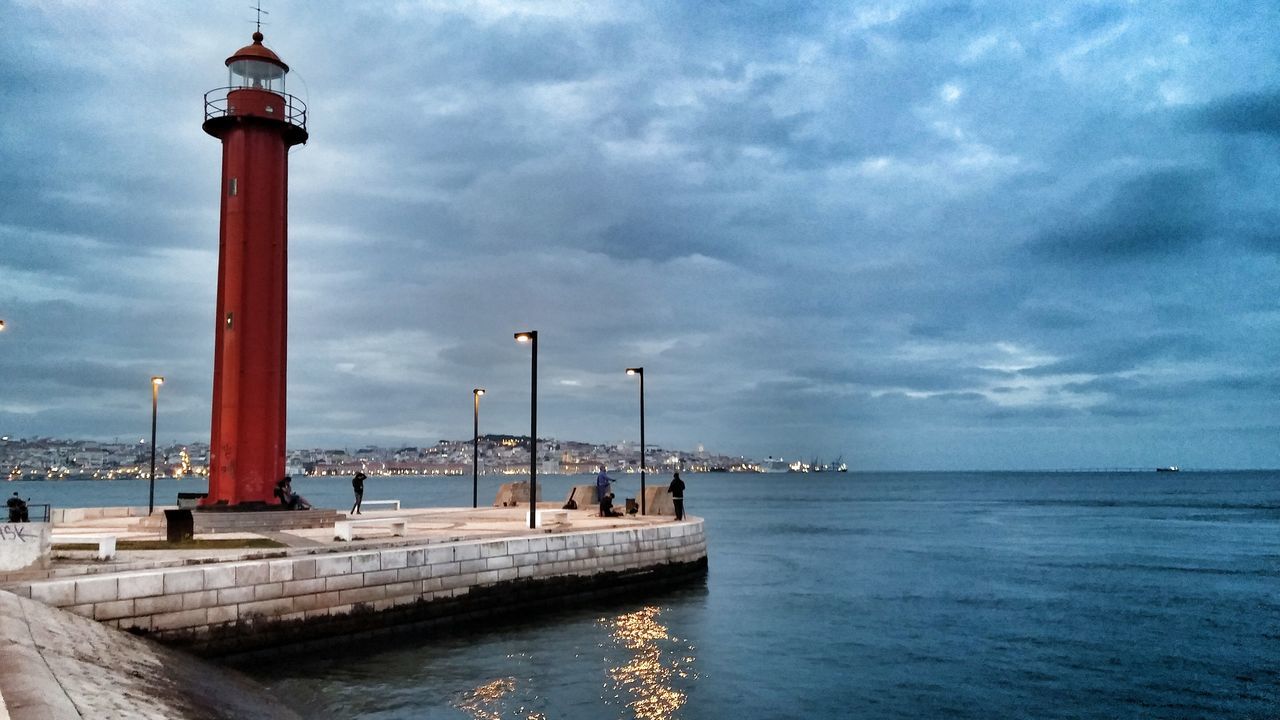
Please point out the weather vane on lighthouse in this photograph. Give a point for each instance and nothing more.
(257, 122)
(261, 12)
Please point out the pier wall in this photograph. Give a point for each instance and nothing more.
(245, 605)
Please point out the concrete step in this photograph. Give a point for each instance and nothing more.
(270, 521)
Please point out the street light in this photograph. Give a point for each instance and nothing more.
(531, 337)
(475, 450)
(640, 371)
(156, 382)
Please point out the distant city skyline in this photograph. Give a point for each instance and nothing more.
(60, 458)
(921, 236)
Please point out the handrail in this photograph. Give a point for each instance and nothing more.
(295, 111)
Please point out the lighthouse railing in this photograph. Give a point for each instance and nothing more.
(216, 105)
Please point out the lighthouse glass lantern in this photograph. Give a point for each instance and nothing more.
(256, 74)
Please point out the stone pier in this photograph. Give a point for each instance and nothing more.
(451, 566)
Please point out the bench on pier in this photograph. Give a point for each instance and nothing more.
(342, 528)
(543, 518)
(393, 504)
(106, 543)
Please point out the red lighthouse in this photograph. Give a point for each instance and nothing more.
(257, 122)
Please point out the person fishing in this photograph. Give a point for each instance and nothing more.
(676, 488)
(603, 485)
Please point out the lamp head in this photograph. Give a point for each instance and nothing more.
(527, 336)
(157, 380)
(478, 391)
(635, 371)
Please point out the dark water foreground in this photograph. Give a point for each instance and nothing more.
(876, 596)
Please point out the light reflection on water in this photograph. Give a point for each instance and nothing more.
(486, 702)
(646, 671)
(655, 662)
(482, 702)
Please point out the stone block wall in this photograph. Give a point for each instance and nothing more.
(24, 545)
(241, 604)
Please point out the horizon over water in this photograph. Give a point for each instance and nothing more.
(871, 595)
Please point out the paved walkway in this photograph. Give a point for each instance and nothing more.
(423, 525)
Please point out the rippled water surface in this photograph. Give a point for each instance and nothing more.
(1136, 595)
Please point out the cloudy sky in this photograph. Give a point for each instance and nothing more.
(919, 235)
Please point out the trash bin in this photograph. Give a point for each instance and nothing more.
(179, 525)
(632, 506)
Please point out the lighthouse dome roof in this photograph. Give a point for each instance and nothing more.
(257, 51)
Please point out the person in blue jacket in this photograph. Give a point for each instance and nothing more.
(603, 483)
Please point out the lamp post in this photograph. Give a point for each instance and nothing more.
(640, 371)
(475, 449)
(156, 382)
(531, 337)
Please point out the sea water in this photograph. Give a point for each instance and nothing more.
(858, 595)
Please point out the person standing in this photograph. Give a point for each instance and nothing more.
(676, 488)
(357, 485)
(603, 483)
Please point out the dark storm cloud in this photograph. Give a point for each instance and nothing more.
(1029, 413)
(1153, 388)
(1242, 114)
(1120, 355)
(1155, 215)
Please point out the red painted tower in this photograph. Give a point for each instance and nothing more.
(257, 122)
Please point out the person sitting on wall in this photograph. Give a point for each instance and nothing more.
(17, 509)
(288, 498)
(606, 506)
